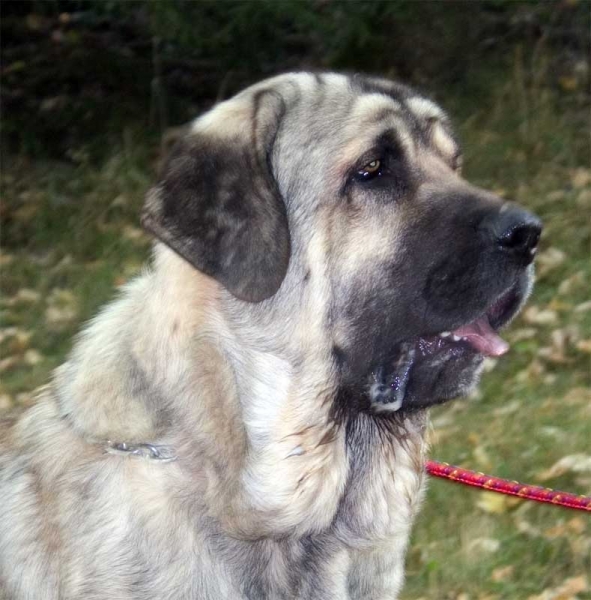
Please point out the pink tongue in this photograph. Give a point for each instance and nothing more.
(481, 335)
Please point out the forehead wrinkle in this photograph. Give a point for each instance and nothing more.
(423, 109)
(371, 106)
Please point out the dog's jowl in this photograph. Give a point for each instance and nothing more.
(246, 421)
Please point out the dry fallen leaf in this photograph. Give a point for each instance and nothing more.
(436, 436)
(64, 264)
(6, 402)
(565, 336)
(489, 364)
(23, 296)
(557, 531)
(524, 333)
(568, 285)
(574, 463)
(532, 372)
(580, 178)
(507, 409)
(7, 332)
(577, 525)
(549, 259)
(5, 259)
(577, 396)
(475, 395)
(28, 295)
(537, 316)
(120, 201)
(559, 305)
(554, 432)
(527, 528)
(32, 357)
(566, 591)
(581, 546)
(134, 233)
(493, 503)
(62, 308)
(583, 307)
(8, 363)
(556, 195)
(502, 573)
(553, 356)
(19, 341)
(483, 545)
(568, 84)
(26, 213)
(482, 458)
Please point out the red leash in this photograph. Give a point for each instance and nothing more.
(511, 488)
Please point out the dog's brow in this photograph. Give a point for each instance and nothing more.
(433, 120)
(374, 109)
(374, 106)
(442, 140)
(424, 109)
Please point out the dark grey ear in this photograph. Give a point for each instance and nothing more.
(217, 203)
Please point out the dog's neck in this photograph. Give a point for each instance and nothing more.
(197, 375)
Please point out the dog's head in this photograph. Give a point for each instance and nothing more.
(343, 197)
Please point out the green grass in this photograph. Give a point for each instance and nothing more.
(71, 238)
(534, 408)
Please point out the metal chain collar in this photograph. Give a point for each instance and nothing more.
(142, 450)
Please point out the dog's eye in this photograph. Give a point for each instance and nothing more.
(369, 171)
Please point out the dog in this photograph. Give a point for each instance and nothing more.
(247, 420)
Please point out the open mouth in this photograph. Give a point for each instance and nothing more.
(481, 334)
(469, 342)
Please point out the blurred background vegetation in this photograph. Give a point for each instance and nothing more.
(91, 88)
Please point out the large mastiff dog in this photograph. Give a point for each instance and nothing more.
(247, 419)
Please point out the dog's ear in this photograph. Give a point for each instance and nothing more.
(217, 203)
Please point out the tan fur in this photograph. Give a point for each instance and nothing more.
(70, 538)
(267, 498)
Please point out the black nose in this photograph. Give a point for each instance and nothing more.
(516, 232)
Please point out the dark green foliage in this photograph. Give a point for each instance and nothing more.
(76, 69)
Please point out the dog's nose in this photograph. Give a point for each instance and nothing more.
(516, 232)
